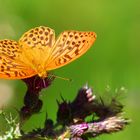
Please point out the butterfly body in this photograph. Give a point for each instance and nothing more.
(37, 52)
(35, 58)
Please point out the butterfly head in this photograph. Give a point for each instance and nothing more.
(41, 72)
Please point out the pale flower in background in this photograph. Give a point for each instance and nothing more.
(6, 94)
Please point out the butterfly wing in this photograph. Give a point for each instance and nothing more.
(39, 37)
(10, 65)
(36, 45)
(69, 46)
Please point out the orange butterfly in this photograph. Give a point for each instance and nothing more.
(37, 52)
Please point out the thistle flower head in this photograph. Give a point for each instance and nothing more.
(36, 83)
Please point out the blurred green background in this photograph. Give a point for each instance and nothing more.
(113, 60)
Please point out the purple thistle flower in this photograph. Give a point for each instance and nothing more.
(32, 103)
(78, 109)
(36, 83)
(79, 129)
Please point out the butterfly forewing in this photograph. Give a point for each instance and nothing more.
(69, 46)
(38, 37)
(10, 65)
(36, 45)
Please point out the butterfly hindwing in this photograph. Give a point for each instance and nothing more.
(10, 65)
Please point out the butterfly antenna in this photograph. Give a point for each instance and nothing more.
(67, 79)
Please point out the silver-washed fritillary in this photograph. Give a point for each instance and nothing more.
(37, 52)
